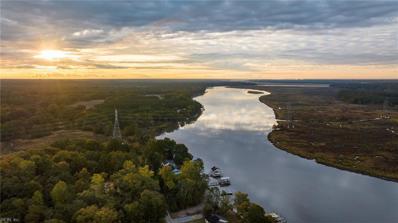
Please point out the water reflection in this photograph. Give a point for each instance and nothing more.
(228, 109)
(231, 133)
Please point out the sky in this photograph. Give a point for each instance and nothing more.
(228, 39)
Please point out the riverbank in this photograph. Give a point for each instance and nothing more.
(231, 135)
(334, 133)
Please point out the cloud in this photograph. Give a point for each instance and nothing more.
(223, 35)
(204, 15)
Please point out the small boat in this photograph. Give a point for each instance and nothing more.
(213, 218)
(214, 168)
(278, 218)
(213, 182)
(224, 181)
(215, 172)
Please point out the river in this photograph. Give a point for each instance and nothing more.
(232, 134)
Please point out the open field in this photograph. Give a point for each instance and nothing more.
(357, 137)
(47, 141)
(88, 104)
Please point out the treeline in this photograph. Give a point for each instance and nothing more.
(378, 93)
(85, 181)
(35, 108)
(239, 207)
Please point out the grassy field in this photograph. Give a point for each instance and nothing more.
(47, 141)
(335, 133)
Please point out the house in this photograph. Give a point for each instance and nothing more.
(172, 165)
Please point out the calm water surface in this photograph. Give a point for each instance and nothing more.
(231, 133)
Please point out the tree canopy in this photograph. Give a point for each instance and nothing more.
(118, 183)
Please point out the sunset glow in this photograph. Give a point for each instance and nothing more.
(192, 40)
(52, 54)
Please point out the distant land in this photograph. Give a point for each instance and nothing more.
(352, 124)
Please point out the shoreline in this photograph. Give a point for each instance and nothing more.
(303, 154)
(298, 151)
(364, 173)
(284, 169)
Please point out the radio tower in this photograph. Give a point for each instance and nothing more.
(116, 128)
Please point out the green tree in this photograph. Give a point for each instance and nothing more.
(75, 160)
(97, 184)
(93, 214)
(150, 207)
(133, 212)
(168, 177)
(19, 207)
(132, 184)
(36, 210)
(60, 193)
(192, 184)
(212, 201)
(153, 205)
(145, 171)
(26, 169)
(256, 214)
(153, 155)
(96, 191)
(131, 130)
(225, 205)
(114, 145)
(128, 165)
(242, 204)
(106, 215)
(181, 154)
(116, 160)
(43, 163)
(83, 180)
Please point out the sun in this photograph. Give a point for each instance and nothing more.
(52, 54)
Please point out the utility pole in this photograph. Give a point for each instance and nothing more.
(116, 128)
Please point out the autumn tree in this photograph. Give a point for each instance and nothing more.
(256, 214)
(150, 207)
(60, 193)
(93, 214)
(242, 204)
(192, 184)
(37, 209)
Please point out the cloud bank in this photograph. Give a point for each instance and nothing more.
(217, 38)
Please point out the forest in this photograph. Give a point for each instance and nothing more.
(91, 182)
(369, 93)
(32, 109)
(107, 180)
